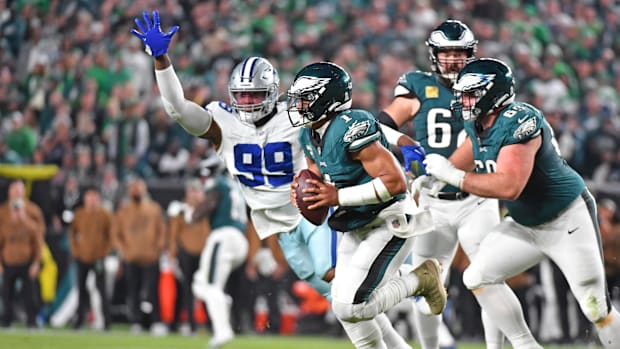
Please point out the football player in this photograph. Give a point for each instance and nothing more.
(225, 249)
(347, 148)
(510, 154)
(425, 98)
(253, 137)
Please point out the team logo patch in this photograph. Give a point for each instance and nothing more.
(357, 129)
(526, 129)
(432, 92)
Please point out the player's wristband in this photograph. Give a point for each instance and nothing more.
(369, 193)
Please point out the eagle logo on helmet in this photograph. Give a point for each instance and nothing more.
(309, 83)
(471, 81)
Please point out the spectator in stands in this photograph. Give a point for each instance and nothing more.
(22, 139)
(8, 155)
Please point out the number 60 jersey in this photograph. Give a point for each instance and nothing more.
(263, 160)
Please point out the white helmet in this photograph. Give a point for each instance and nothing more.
(254, 74)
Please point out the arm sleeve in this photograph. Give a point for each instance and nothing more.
(386, 119)
(195, 119)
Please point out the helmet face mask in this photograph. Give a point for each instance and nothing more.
(317, 90)
(254, 75)
(485, 85)
(450, 38)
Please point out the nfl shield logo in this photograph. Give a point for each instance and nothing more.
(395, 224)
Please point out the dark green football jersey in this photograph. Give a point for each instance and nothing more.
(435, 128)
(230, 211)
(349, 132)
(552, 186)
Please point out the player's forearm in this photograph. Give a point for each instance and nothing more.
(492, 185)
(195, 119)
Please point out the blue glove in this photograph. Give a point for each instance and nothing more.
(155, 41)
(413, 156)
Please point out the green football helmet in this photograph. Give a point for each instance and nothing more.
(490, 81)
(317, 90)
(450, 35)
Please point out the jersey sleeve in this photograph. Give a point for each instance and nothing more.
(523, 126)
(360, 130)
(409, 83)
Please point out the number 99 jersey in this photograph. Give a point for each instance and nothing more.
(263, 160)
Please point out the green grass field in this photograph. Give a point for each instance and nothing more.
(121, 339)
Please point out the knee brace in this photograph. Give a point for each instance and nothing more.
(593, 308)
(472, 278)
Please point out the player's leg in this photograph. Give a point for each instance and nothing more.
(506, 251)
(363, 334)
(441, 244)
(297, 253)
(361, 289)
(574, 244)
(225, 249)
(476, 219)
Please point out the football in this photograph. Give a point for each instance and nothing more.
(316, 216)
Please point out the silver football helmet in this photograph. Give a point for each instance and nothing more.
(254, 75)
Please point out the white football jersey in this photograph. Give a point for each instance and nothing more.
(263, 160)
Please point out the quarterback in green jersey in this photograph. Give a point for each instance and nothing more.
(347, 148)
(511, 154)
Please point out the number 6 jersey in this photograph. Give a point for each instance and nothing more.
(263, 160)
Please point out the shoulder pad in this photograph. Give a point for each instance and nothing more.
(522, 122)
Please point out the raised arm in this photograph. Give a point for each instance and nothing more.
(195, 119)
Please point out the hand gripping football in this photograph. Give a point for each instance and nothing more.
(316, 216)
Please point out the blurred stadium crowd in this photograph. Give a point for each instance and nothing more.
(77, 91)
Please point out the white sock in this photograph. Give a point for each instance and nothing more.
(445, 337)
(493, 336)
(427, 329)
(609, 333)
(364, 334)
(219, 312)
(391, 338)
(503, 308)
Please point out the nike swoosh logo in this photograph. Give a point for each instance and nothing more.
(572, 230)
(520, 120)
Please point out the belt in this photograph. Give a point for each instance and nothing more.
(452, 196)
